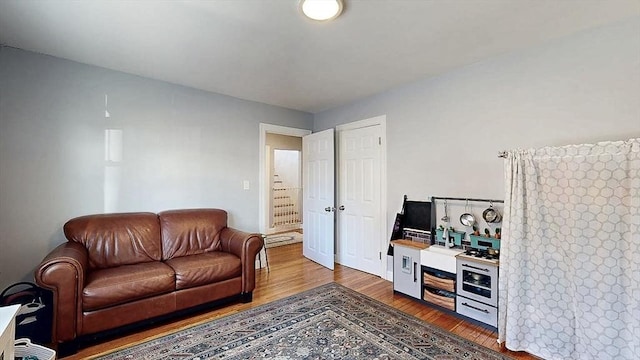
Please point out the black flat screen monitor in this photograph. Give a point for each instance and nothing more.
(417, 215)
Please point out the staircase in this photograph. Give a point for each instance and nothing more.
(285, 206)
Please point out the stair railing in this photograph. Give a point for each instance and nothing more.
(287, 209)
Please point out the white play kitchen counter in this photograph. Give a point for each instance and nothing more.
(415, 262)
(462, 279)
(407, 267)
(447, 277)
(440, 257)
(439, 275)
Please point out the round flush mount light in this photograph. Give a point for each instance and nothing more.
(321, 10)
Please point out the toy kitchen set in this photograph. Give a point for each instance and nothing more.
(441, 257)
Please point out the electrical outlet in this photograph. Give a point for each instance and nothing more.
(245, 185)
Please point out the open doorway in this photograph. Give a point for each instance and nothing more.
(285, 200)
(281, 184)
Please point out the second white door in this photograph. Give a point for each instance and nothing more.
(359, 197)
(319, 209)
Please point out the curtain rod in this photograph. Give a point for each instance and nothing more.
(502, 154)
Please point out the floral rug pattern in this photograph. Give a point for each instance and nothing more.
(328, 322)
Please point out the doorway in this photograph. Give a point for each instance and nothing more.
(376, 239)
(284, 173)
(359, 210)
(280, 207)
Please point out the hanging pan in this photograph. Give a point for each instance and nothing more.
(491, 215)
(467, 219)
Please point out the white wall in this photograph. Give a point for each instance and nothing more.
(444, 133)
(288, 166)
(181, 148)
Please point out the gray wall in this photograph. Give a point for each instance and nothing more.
(180, 148)
(444, 133)
(188, 148)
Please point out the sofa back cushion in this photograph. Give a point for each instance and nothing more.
(117, 239)
(190, 232)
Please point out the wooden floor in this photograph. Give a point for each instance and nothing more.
(291, 273)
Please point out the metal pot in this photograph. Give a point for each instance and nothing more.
(491, 215)
(467, 219)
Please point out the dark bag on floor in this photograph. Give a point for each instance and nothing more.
(34, 319)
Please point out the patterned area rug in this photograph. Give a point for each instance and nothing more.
(328, 322)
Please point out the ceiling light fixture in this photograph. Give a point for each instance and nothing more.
(321, 10)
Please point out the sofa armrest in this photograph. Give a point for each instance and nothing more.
(63, 271)
(245, 246)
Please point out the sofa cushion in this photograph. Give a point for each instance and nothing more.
(117, 285)
(195, 270)
(191, 232)
(117, 239)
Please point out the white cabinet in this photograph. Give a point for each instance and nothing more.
(477, 311)
(477, 289)
(7, 330)
(407, 277)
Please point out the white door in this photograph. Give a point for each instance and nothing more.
(318, 161)
(359, 193)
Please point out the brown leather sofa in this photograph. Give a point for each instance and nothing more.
(119, 269)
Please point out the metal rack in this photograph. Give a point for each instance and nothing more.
(433, 198)
(433, 206)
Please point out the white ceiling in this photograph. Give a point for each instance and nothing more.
(266, 51)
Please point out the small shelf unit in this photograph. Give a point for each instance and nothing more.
(439, 288)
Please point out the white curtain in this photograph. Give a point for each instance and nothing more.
(570, 252)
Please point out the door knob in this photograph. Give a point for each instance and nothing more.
(341, 207)
(329, 209)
